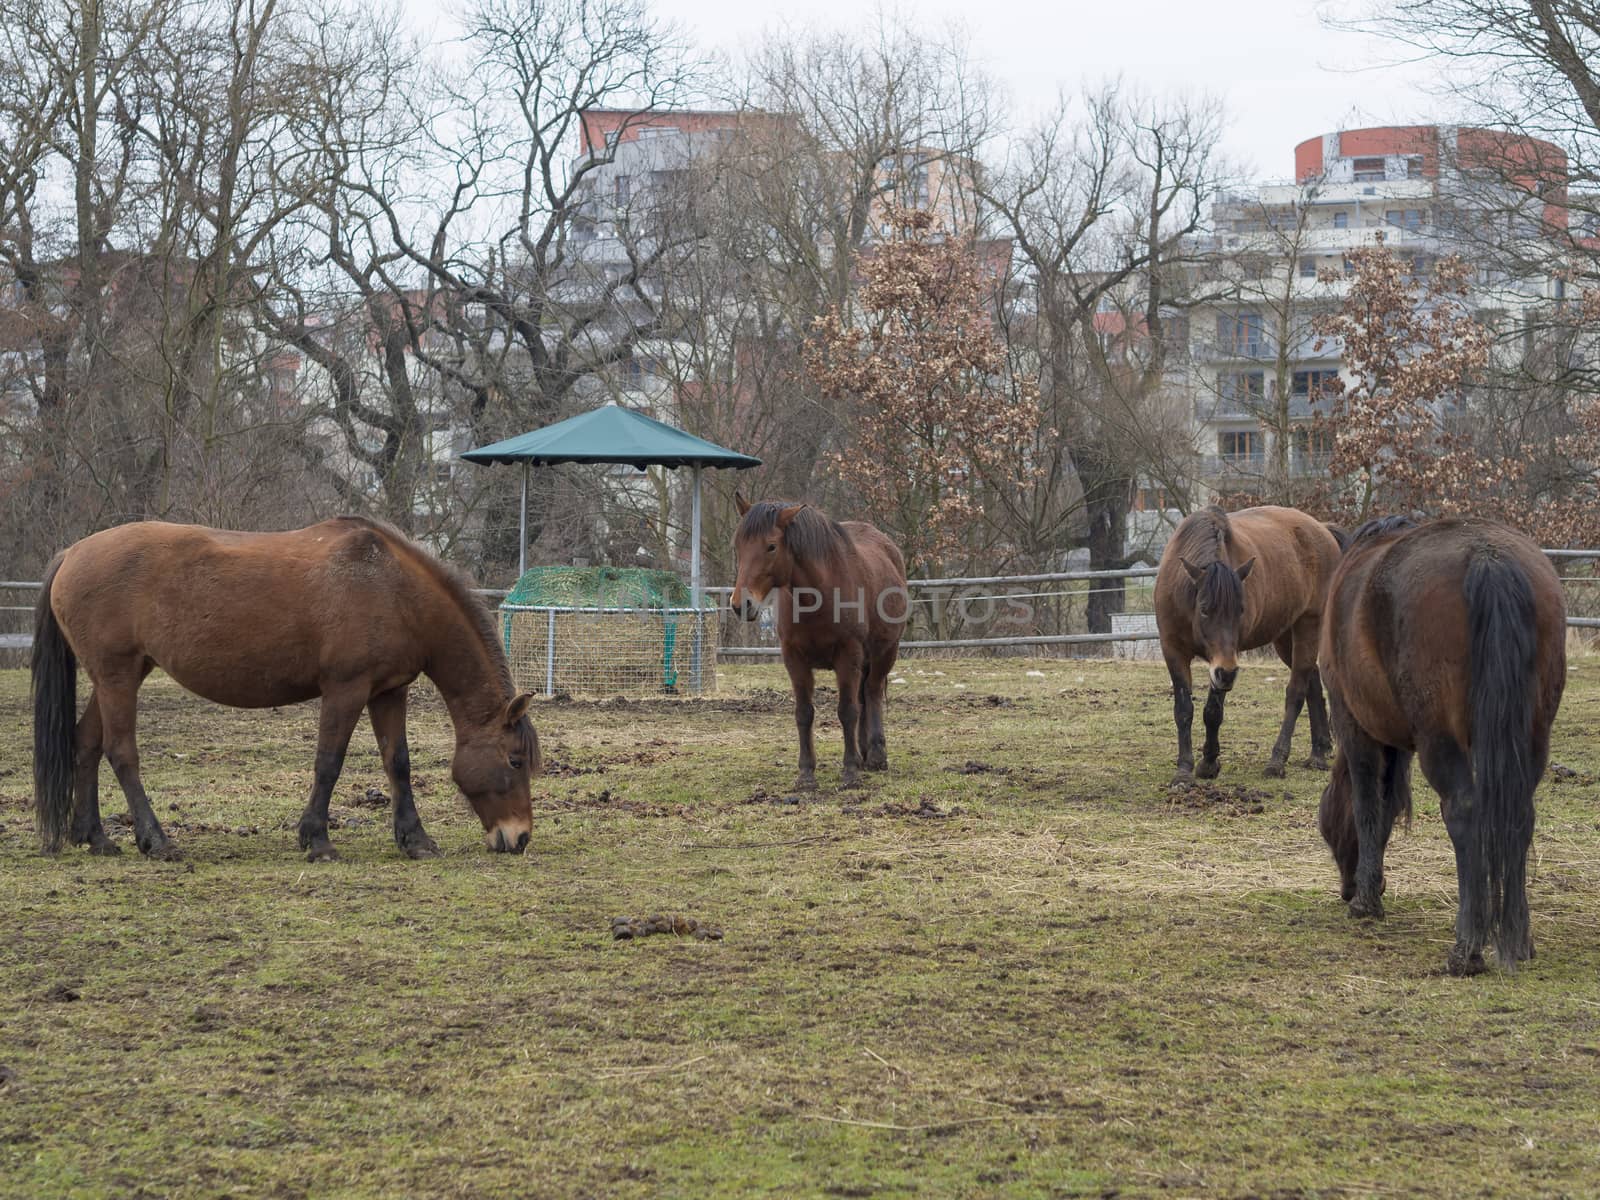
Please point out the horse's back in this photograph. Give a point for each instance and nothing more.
(1399, 634)
(246, 619)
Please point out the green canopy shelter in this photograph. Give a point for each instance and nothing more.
(614, 435)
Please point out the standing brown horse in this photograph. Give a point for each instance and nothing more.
(1204, 610)
(840, 591)
(1447, 641)
(349, 610)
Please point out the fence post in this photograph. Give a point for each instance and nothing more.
(550, 656)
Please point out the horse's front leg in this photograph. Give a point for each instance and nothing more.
(805, 713)
(848, 668)
(387, 711)
(1183, 717)
(340, 712)
(1210, 752)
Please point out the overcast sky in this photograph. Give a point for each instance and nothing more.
(1283, 76)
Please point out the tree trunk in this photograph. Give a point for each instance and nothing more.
(1108, 551)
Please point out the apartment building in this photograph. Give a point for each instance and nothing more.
(1278, 257)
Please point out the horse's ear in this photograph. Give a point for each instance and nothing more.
(1245, 570)
(1194, 572)
(786, 515)
(517, 708)
(741, 503)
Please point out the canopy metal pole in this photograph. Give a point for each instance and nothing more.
(694, 577)
(522, 527)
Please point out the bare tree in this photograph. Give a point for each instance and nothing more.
(1103, 203)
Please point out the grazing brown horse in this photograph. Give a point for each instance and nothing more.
(1204, 610)
(840, 592)
(1447, 641)
(348, 610)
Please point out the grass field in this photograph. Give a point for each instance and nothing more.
(1014, 967)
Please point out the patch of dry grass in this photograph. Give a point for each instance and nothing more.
(1014, 966)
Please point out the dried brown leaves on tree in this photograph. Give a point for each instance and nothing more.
(1412, 350)
(937, 422)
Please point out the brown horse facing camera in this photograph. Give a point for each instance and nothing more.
(1205, 610)
(1447, 641)
(840, 594)
(349, 610)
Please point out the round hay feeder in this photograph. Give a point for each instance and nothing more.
(601, 631)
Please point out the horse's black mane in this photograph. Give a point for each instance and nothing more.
(812, 536)
(1382, 527)
(1203, 541)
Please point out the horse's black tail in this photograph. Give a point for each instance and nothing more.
(55, 717)
(1501, 617)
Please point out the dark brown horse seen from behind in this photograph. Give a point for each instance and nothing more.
(349, 610)
(841, 600)
(1446, 641)
(1205, 608)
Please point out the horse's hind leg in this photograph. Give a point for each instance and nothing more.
(337, 722)
(87, 750)
(1373, 818)
(118, 697)
(848, 668)
(1317, 711)
(388, 713)
(1448, 768)
(874, 685)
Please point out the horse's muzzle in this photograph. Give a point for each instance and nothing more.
(1222, 678)
(747, 608)
(502, 841)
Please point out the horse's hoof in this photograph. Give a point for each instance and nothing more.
(1463, 963)
(878, 763)
(806, 782)
(1184, 778)
(850, 781)
(1208, 769)
(1316, 763)
(1275, 770)
(421, 847)
(163, 851)
(104, 846)
(1364, 909)
(322, 853)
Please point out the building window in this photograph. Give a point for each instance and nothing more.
(1240, 334)
(1240, 446)
(1151, 499)
(1308, 268)
(1413, 166)
(1369, 170)
(655, 131)
(1315, 444)
(622, 189)
(611, 138)
(1309, 384)
(1341, 220)
(1406, 218)
(1241, 391)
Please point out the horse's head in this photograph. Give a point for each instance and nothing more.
(1218, 616)
(762, 553)
(493, 764)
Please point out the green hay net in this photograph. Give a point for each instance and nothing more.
(648, 649)
(592, 587)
